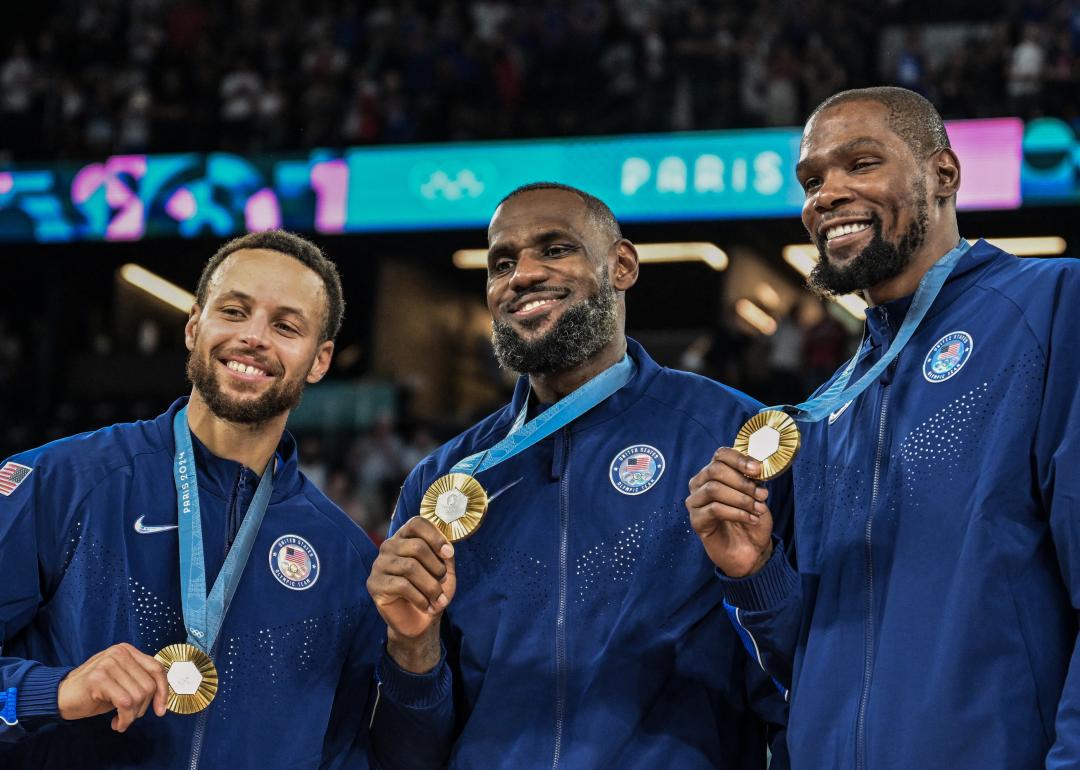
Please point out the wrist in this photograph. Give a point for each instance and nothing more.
(415, 654)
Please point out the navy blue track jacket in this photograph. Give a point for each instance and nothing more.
(933, 619)
(90, 555)
(588, 630)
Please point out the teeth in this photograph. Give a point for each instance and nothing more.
(838, 230)
(236, 366)
(534, 304)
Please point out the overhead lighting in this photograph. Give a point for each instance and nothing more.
(158, 287)
(803, 257)
(1041, 246)
(709, 253)
(767, 296)
(755, 316)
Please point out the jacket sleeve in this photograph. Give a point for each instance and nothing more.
(27, 688)
(766, 608)
(1057, 456)
(412, 725)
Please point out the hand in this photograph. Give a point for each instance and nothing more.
(412, 582)
(120, 678)
(729, 514)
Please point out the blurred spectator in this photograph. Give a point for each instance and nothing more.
(174, 75)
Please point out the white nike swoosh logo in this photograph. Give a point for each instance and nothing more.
(149, 529)
(512, 483)
(836, 415)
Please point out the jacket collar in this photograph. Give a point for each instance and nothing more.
(883, 321)
(218, 475)
(614, 405)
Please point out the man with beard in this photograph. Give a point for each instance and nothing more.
(933, 618)
(112, 540)
(579, 626)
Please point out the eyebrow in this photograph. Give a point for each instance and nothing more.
(843, 149)
(547, 236)
(239, 295)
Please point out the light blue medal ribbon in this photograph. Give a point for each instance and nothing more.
(523, 434)
(204, 614)
(818, 408)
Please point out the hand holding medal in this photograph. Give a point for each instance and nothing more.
(727, 508)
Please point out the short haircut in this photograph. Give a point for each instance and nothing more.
(292, 245)
(596, 208)
(910, 116)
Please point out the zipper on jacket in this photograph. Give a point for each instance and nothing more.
(197, 739)
(868, 627)
(560, 617)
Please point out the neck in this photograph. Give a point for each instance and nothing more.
(250, 445)
(551, 386)
(925, 258)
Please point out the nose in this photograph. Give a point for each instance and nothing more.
(528, 271)
(255, 331)
(832, 192)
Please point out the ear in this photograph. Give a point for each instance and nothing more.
(945, 167)
(191, 328)
(321, 365)
(625, 273)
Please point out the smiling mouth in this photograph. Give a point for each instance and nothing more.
(246, 371)
(839, 231)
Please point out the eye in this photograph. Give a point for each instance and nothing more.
(501, 265)
(811, 184)
(558, 249)
(232, 312)
(864, 163)
(286, 328)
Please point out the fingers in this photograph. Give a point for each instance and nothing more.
(705, 518)
(727, 486)
(119, 677)
(415, 565)
(727, 459)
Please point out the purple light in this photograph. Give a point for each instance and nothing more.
(6, 183)
(182, 205)
(330, 181)
(990, 152)
(261, 212)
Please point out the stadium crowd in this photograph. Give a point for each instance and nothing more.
(95, 77)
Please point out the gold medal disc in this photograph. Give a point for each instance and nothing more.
(455, 504)
(771, 438)
(193, 678)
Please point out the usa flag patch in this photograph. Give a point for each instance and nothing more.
(11, 476)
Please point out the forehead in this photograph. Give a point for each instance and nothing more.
(269, 277)
(844, 125)
(538, 211)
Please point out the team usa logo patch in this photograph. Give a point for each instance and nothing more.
(294, 562)
(947, 357)
(11, 476)
(636, 469)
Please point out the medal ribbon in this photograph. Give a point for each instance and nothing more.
(818, 408)
(204, 614)
(564, 411)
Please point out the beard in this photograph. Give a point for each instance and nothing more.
(577, 335)
(880, 260)
(282, 396)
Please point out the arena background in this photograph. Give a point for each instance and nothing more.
(147, 132)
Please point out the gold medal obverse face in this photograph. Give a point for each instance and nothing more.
(771, 438)
(193, 678)
(455, 504)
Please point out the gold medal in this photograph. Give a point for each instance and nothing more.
(771, 438)
(193, 678)
(455, 504)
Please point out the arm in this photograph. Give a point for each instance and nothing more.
(412, 582)
(1056, 455)
(35, 694)
(730, 514)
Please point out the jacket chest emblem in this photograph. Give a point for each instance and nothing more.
(636, 469)
(294, 562)
(948, 356)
